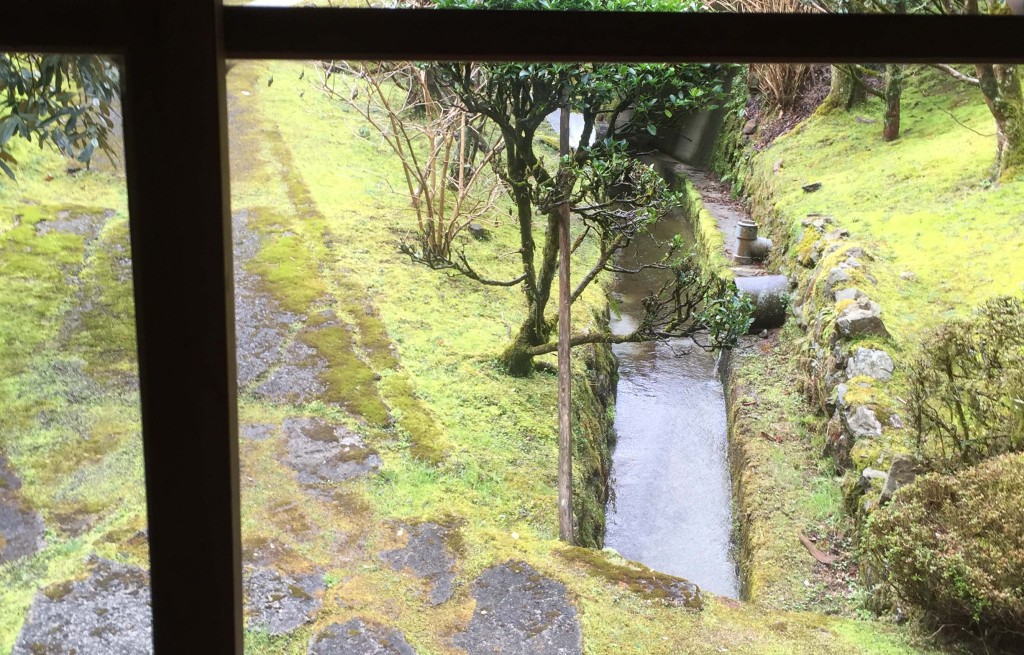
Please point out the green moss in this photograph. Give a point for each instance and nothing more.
(636, 577)
(349, 380)
(428, 441)
(782, 487)
(861, 391)
(289, 274)
(594, 377)
(709, 239)
(469, 445)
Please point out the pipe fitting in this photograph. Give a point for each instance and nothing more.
(750, 248)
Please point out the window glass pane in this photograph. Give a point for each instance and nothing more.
(73, 541)
(398, 401)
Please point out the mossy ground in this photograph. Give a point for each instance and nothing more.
(783, 487)
(415, 354)
(69, 417)
(922, 204)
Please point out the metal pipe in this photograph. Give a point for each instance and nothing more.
(770, 296)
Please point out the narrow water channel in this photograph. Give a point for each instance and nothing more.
(672, 498)
(671, 505)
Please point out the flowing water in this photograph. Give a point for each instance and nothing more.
(672, 503)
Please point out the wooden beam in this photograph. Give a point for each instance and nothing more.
(175, 125)
(456, 35)
(63, 26)
(566, 531)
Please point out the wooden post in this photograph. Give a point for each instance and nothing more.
(565, 522)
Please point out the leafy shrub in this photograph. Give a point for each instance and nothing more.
(967, 387)
(953, 545)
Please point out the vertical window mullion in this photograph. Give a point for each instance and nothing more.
(177, 174)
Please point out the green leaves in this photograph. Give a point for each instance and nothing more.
(60, 99)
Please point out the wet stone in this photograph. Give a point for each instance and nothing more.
(872, 363)
(108, 613)
(261, 326)
(862, 423)
(321, 452)
(357, 637)
(256, 431)
(298, 379)
(520, 612)
(428, 556)
(21, 529)
(87, 226)
(279, 603)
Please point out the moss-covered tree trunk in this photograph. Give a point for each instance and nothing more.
(1001, 86)
(844, 91)
(893, 92)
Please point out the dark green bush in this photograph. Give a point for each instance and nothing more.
(953, 545)
(967, 387)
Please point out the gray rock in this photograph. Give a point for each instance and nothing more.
(108, 613)
(256, 431)
(428, 556)
(836, 277)
(87, 226)
(321, 452)
(21, 529)
(870, 362)
(261, 326)
(479, 232)
(873, 474)
(853, 262)
(909, 276)
(520, 612)
(298, 379)
(280, 603)
(815, 255)
(903, 470)
(896, 422)
(837, 234)
(862, 424)
(850, 293)
(862, 318)
(750, 127)
(357, 637)
(841, 396)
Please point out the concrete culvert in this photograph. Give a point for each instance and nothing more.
(770, 296)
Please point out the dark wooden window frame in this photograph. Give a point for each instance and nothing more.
(173, 60)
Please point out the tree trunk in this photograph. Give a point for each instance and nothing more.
(1001, 86)
(893, 92)
(844, 92)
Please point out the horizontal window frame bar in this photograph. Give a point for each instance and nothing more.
(312, 33)
(417, 34)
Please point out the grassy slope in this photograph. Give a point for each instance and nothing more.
(316, 190)
(920, 203)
